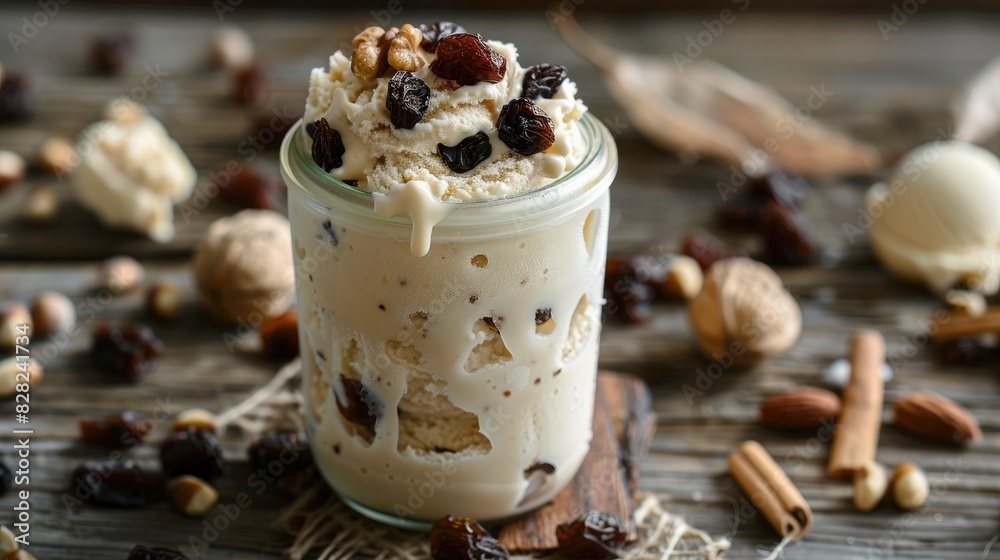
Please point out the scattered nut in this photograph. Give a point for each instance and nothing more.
(403, 53)
(232, 48)
(59, 156)
(801, 410)
(910, 487)
(20, 554)
(279, 337)
(120, 274)
(41, 205)
(244, 267)
(684, 278)
(870, 486)
(8, 543)
(744, 311)
(197, 418)
(164, 300)
(371, 52)
(250, 85)
(972, 304)
(191, 495)
(52, 313)
(937, 419)
(12, 169)
(15, 321)
(14, 372)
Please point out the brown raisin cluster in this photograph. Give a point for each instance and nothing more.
(117, 484)
(193, 451)
(454, 538)
(407, 99)
(18, 97)
(433, 33)
(525, 128)
(466, 59)
(543, 80)
(356, 406)
(328, 148)
(129, 351)
(285, 447)
(141, 552)
(595, 536)
(118, 431)
(467, 154)
(705, 248)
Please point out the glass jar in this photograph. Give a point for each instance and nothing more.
(462, 381)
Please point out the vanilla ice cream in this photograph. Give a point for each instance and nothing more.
(936, 219)
(450, 319)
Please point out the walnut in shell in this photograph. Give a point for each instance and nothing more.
(243, 268)
(744, 311)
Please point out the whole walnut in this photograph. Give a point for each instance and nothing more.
(243, 267)
(743, 313)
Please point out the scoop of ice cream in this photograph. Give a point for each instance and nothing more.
(406, 164)
(131, 172)
(936, 219)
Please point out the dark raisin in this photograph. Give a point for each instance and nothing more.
(542, 315)
(595, 536)
(360, 406)
(407, 99)
(284, 447)
(964, 351)
(109, 54)
(279, 337)
(467, 154)
(194, 452)
(781, 187)
(311, 129)
(466, 59)
(787, 239)
(524, 127)
(6, 478)
(706, 249)
(118, 431)
(328, 228)
(18, 97)
(327, 148)
(141, 552)
(547, 468)
(454, 538)
(250, 85)
(742, 213)
(117, 483)
(633, 298)
(436, 31)
(248, 188)
(543, 80)
(129, 351)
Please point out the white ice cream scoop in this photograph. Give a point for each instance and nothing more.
(937, 219)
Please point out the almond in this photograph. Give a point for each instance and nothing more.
(936, 419)
(799, 410)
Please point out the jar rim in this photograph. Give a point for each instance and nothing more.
(294, 157)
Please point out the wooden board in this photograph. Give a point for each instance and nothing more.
(890, 92)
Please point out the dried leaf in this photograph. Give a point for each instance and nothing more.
(976, 107)
(707, 110)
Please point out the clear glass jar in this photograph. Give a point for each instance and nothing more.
(462, 381)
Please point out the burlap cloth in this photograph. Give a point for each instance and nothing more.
(320, 526)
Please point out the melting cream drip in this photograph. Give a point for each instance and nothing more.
(420, 201)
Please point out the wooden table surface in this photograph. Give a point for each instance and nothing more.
(892, 93)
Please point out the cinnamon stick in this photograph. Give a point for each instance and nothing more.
(958, 324)
(856, 437)
(770, 490)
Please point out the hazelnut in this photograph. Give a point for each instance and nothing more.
(197, 418)
(191, 495)
(972, 304)
(59, 156)
(910, 487)
(371, 52)
(279, 337)
(120, 274)
(12, 169)
(164, 300)
(8, 543)
(243, 268)
(403, 53)
(52, 313)
(231, 48)
(744, 311)
(20, 554)
(684, 278)
(870, 486)
(15, 321)
(41, 205)
(13, 373)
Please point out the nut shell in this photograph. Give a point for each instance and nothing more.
(936, 419)
(52, 313)
(244, 267)
(744, 310)
(13, 315)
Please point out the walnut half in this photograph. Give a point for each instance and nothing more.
(371, 52)
(403, 49)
